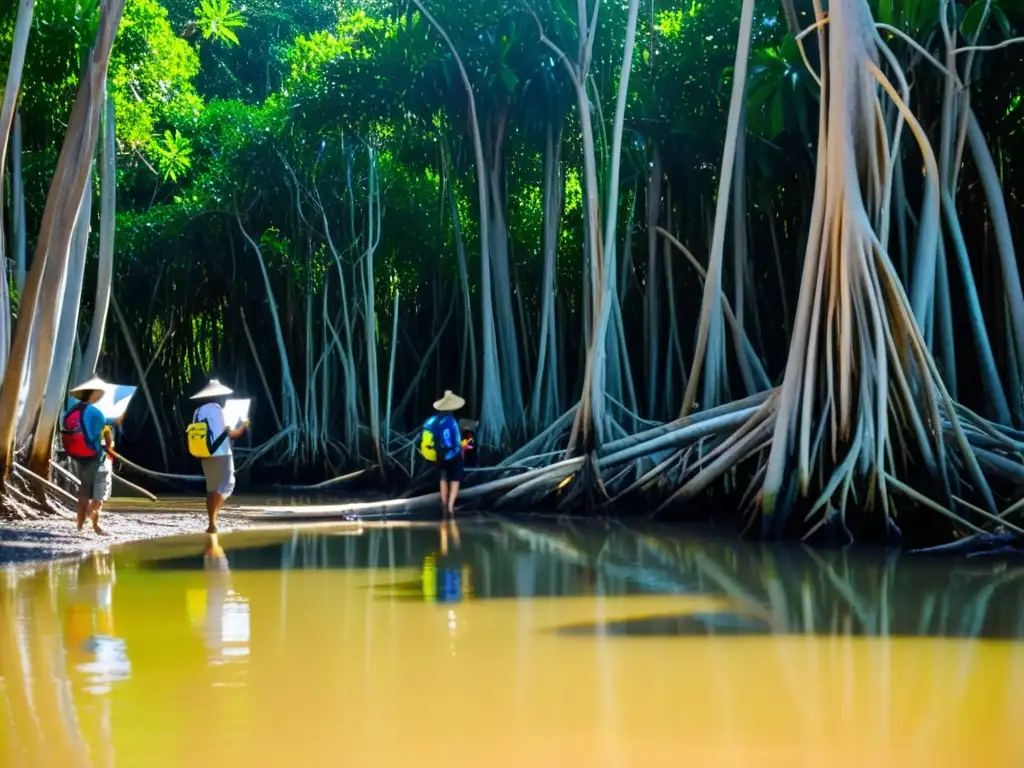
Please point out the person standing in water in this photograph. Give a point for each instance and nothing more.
(442, 440)
(87, 438)
(218, 461)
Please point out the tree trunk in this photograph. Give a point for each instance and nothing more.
(372, 240)
(546, 399)
(64, 346)
(19, 235)
(105, 271)
(58, 220)
(22, 27)
(652, 285)
(493, 428)
(710, 331)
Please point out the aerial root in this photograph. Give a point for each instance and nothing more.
(24, 497)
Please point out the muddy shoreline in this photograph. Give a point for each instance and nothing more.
(54, 538)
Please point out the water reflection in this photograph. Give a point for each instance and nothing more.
(765, 589)
(611, 645)
(216, 610)
(447, 575)
(92, 646)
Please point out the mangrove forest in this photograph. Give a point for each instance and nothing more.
(747, 261)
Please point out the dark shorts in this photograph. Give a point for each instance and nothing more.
(453, 469)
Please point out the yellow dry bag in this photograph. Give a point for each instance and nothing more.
(199, 443)
(199, 439)
(427, 447)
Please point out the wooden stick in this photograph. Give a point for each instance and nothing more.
(154, 473)
(68, 475)
(56, 488)
(117, 477)
(335, 480)
(136, 488)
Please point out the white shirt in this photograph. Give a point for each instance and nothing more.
(213, 415)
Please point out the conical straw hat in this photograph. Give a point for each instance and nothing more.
(93, 384)
(450, 402)
(213, 389)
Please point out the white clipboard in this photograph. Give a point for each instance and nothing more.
(115, 401)
(236, 412)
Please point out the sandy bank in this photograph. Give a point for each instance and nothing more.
(55, 537)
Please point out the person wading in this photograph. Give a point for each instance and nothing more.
(209, 439)
(442, 442)
(87, 438)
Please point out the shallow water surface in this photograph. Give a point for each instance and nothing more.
(503, 644)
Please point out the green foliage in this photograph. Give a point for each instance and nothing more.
(173, 154)
(217, 106)
(781, 93)
(150, 80)
(218, 20)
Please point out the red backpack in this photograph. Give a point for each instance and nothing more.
(72, 434)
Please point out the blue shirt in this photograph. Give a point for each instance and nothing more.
(93, 423)
(446, 434)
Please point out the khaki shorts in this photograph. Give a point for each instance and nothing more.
(220, 474)
(96, 476)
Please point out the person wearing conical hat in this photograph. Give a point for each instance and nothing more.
(87, 438)
(219, 468)
(447, 442)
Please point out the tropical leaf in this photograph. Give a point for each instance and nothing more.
(173, 154)
(218, 20)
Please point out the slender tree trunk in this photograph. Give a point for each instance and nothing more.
(469, 334)
(105, 270)
(348, 367)
(372, 240)
(62, 202)
(391, 374)
(6, 318)
(493, 428)
(652, 284)
(579, 73)
(289, 399)
(710, 331)
(599, 349)
(22, 27)
(1004, 242)
(545, 387)
(64, 345)
(739, 263)
(508, 349)
(18, 230)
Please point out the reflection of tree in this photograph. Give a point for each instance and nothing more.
(41, 712)
(851, 592)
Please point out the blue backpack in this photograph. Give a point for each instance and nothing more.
(439, 438)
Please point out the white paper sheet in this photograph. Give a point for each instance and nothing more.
(235, 412)
(115, 401)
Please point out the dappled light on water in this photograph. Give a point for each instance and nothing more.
(501, 644)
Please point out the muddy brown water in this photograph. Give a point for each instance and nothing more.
(503, 644)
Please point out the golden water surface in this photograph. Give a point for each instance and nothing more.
(502, 644)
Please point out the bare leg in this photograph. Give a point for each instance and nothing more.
(94, 513)
(444, 496)
(453, 493)
(213, 504)
(82, 509)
